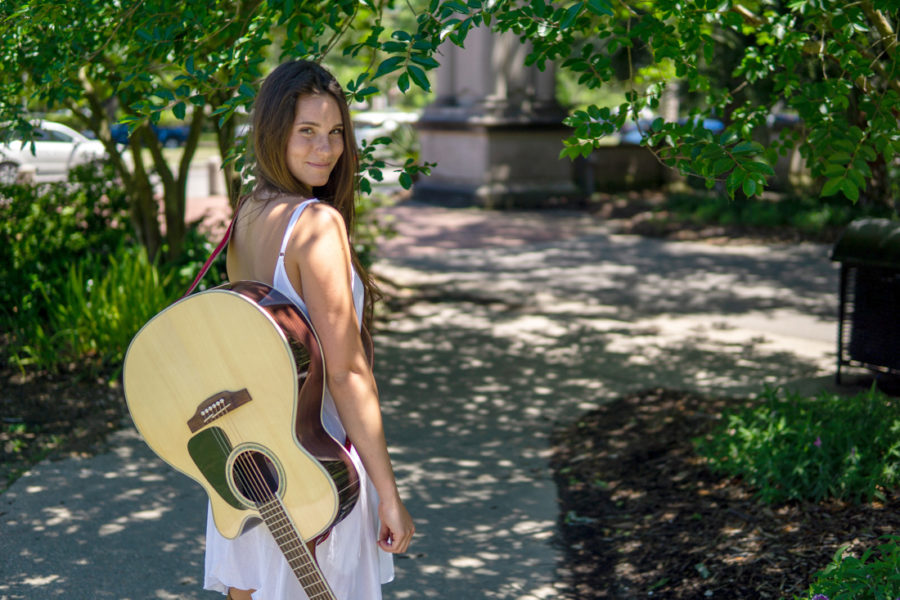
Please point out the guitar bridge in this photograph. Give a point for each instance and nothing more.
(216, 406)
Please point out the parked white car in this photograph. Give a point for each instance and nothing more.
(57, 149)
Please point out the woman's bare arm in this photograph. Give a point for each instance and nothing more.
(322, 253)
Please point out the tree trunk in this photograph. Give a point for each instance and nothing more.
(144, 209)
(225, 137)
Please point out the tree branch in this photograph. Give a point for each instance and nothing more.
(883, 26)
(816, 48)
(749, 16)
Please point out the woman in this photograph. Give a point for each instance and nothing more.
(292, 232)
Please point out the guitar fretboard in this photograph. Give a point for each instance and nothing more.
(295, 550)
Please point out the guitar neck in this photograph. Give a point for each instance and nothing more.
(295, 550)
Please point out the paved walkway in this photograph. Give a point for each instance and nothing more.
(515, 322)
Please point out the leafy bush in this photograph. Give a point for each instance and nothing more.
(76, 285)
(790, 447)
(95, 310)
(873, 576)
(196, 248)
(807, 214)
(45, 228)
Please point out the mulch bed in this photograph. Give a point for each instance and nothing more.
(641, 515)
(53, 416)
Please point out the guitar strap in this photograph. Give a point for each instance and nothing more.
(212, 257)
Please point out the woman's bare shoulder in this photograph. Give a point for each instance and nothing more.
(320, 220)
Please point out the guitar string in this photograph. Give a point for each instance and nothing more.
(260, 486)
(252, 479)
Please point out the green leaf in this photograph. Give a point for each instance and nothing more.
(405, 180)
(850, 190)
(833, 170)
(418, 76)
(403, 82)
(189, 64)
(455, 6)
(393, 47)
(756, 166)
(733, 182)
(361, 95)
(600, 8)
(178, 110)
(722, 165)
(388, 66)
(841, 158)
(570, 16)
(164, 94)
(832, 186)
(246, 91)
(745, 148)
(749, 187)
(426, 61)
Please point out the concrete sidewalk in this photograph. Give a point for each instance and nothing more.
(515, 322)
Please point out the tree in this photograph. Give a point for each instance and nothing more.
(109, 62)
(833, 63)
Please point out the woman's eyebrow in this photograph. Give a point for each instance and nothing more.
(316, 124)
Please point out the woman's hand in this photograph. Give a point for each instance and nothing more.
(397, 527)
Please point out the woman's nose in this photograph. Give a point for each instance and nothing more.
(323, 144)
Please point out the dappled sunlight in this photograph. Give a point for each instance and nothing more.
(638, 276)
(488, 383)
(492, 349)
(508, 341)
(108, 517)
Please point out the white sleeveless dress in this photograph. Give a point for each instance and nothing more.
(350, 559)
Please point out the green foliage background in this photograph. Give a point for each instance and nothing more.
(796, 448)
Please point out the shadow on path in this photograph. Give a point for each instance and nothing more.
(516, 322)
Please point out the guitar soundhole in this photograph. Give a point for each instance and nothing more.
(255, 476)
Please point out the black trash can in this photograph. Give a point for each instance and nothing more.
(869, 312)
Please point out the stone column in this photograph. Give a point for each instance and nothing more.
(495, 129)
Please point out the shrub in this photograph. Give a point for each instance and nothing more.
(95, 311)
(809, 215)
(790, 447)
(873, 576)
(46, 228)
(76, 286)
(196, 248)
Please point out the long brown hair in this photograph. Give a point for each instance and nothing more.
(272, 119)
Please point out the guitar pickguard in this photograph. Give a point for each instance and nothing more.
(209, 450)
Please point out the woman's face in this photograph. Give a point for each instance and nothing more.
(317, 139)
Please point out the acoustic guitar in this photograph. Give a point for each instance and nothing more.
(226, 386)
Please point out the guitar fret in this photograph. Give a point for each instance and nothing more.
(294, 550)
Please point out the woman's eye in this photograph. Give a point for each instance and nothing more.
(337, 131)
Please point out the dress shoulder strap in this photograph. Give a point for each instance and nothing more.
(298, 210)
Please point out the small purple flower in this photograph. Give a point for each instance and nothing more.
(818, 444)
(820, 597)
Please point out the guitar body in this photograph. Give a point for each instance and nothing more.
(226, 386)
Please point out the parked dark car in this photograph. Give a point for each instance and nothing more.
(170, 137)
